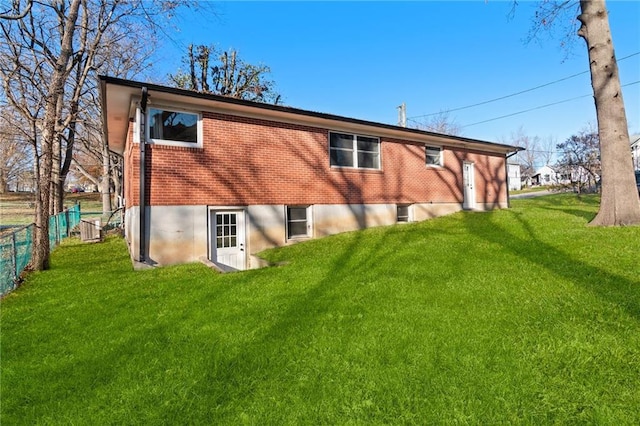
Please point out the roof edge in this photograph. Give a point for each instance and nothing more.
(104, 80)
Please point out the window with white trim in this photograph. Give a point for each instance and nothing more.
(348, 150)
(402, 213)
(298, 222)
(174, 127)
(433, 155)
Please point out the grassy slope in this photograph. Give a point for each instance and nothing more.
(522, 315)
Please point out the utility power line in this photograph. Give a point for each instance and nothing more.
(538, 107)
(513, 94)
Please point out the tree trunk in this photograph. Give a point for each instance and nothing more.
(41, 247)
(68, 156)
(619, 203)
(105, 183)
(116, 174)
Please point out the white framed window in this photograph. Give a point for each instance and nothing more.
(170, 126)
(403, 213)
(433, 155)
(357, 151)
(298, 222)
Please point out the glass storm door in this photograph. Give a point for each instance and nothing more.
(227, 239)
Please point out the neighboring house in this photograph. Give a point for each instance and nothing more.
(545, 175)
(223, 178)
(635, 150)
(514, 176)
(569, 175)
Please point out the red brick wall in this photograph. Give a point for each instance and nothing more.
(249, 161)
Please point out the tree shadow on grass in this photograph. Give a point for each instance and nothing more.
(565, 203)
(609, 287)
(311, 310)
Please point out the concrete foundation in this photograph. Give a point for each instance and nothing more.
(180, 234)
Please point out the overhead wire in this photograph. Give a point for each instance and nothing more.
(539, 107)
(513, 94)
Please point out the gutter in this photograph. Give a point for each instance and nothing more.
(143, 177)
(506, 166)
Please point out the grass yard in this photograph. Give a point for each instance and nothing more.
(18, 208)
(515, 316)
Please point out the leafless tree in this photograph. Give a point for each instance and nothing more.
(53, 50)
(15, 158)
(533, 156)
(225, 74)
(438, 123)
(16, 11)
(580, 159)
(619, 203)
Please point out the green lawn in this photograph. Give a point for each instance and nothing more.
(516, 316)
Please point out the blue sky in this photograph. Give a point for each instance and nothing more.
(363, 59)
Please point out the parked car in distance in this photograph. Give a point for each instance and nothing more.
(76, 189)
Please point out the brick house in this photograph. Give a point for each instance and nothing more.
(224, 178)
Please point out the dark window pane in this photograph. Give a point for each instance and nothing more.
(433, 156)
(297, 213)
(367, 160)
(233, 230)
(368, 144)
(403, 213)
(173, 125)
(297, 229)
(219, 231)
(340, 140)
(233, 242)
(341, 158)
(219, 243)
(225, 219)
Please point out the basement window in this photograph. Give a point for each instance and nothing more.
(174, 127)
(403, 213)
(298, 222)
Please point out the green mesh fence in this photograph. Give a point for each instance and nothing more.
(15, 246)
(15, 254)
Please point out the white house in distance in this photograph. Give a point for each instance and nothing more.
(545, 175)
(635, 150)
(514, 176)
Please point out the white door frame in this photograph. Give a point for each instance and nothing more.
(468, 185)
(233, 235)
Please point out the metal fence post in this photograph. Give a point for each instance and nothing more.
(14, 256)
(66, 215)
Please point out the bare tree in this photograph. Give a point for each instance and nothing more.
(439, 123)
(619, 203)
(54, 49)
(16, 11)
(225, 75)
(546, 149)
(532, 157)
(580, 160)
(15, 158)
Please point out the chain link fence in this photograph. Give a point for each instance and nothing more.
(16, 246)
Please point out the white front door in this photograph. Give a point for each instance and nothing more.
(227, 244)
(468, 183)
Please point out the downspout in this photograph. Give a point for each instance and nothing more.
(506, 166)
(143, 180)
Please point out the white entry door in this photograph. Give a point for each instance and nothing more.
(227, 243)
(469, 187)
